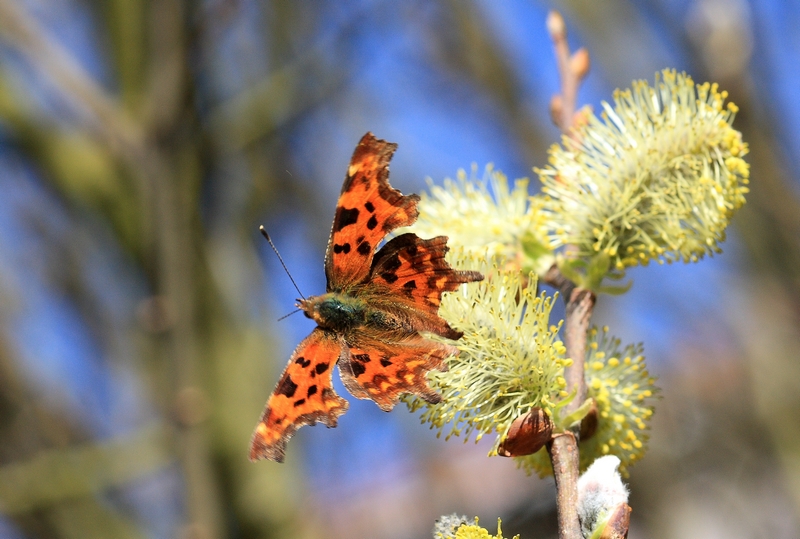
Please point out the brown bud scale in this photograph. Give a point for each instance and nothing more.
(527, 434)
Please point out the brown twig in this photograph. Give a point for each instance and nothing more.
(572, 68)
(579, 306)
(563, 448)
(578, 315)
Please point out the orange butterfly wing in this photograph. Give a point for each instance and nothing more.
(414, 273)
(382, 371)
(368, 209)
(303, 396)
(390, 358)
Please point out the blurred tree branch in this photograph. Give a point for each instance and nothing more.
(105, 119)
(56, 475)
(161, 185)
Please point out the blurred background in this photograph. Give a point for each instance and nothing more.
(142, 143)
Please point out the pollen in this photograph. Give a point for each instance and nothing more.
(510, 358)
(664, 168)
(488, 215)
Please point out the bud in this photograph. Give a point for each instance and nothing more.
(589, 423)
(527, 434)
(616, 527)
(486, 214)
(601, 497)
(656, 176)
(556, 26)
(579, 63)
(510, 359)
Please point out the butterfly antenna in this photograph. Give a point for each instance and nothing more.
(288, 315)
(269, 240)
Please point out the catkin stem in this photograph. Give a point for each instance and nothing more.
(563, 448)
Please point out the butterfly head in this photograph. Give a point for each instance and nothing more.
(309, 307)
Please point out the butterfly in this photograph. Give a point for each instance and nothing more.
(370, 318)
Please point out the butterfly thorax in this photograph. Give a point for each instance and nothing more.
(336, 311)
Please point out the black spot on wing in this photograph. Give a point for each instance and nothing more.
(372, 223)
(341, 248)
(389, 268)
(369, 207)
(300, 402)
(348, 183)
(357, 364)
(358, 368)
(312, 390)
(432, 283)
(409, 287)
(389, 277)
(392, 264)
(364, 248)
(321, 367)
(303, 362)
(385, 361)
(287, 387)
(345, 217)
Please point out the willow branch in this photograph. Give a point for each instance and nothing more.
(579, 307)
(101, 113)
(572, 68)
(98, 112)
(563, 449)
